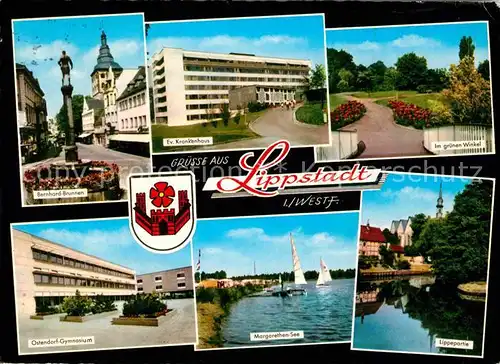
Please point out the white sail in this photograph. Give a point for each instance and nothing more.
(320, 281)
(325, 272)
(279, 279)
(297, 269)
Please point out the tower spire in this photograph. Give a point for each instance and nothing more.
(104, 41)
(439, 205)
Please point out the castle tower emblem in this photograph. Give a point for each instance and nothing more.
(162, 213)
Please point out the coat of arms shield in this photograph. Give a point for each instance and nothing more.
(162, 210)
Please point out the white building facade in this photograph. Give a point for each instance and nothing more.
(191, 87)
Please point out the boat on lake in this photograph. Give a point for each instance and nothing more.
(299, 280)
(324, 276)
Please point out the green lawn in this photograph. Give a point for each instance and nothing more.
(378, 94)
(336, 100)
(421, 100)
(311, 113)
(217, 130)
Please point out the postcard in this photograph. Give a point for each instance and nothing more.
(423, 261)
(238, 83)
(418, 90)
(82, 107)
(85, 285)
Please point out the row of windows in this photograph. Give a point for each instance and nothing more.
(159, 278)
(206, 97)
(233, 62)
(134, 101)
(59, 259)
(204, 116)
(241, 79)
(133, 123)
(159, 287)
(204, 107)
(78, 282)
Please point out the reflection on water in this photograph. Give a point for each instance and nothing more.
(408, 315)
(324, 314)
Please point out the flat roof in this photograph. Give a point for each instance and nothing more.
(164, 271)
(75, 250)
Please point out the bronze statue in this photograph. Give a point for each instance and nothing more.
(66, 65)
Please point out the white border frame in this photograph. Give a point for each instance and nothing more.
(420, 156)
(195, 150)
(11, 227)
(271, 216)
(21, 168)
(487, 270)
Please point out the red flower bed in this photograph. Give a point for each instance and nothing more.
(100, 175)
(347, 113)
(410, 115)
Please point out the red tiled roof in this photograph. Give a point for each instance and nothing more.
(370, 233)
(397, 248)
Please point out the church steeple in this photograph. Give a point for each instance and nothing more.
(104, 41)
(105, 59)
(439, 205)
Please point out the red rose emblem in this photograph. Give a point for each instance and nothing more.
(161, 194)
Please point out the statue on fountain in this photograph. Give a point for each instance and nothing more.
(66, 65)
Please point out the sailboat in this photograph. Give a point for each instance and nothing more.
(324, 275)
(298, 274)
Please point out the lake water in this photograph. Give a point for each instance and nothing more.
(409, 315)
(324, 315)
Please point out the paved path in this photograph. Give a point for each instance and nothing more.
(178, 327)
(128, 163)
(382, 136)
(278, 124)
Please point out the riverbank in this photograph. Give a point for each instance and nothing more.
(379, 272)
(213, 304)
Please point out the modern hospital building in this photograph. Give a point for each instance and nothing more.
(191, 87)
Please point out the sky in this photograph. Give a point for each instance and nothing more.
(234, 244)
(402, 196)
(110, 240)
(439, 44)
(301, 37)
(38, 45)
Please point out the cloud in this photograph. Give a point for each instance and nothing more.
(95, 242)
(48, 52)
(413, 40)
(364, 46)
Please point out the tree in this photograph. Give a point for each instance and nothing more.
(484, 69)
(390, 237)
(412, 71)
(387, 256)
(469, 93)
(151, 106)
(337, 60)
(318, 77)
(365, 80)
(466, 47)
(418, 222)
(437, 79)
(62, 116)
(346, 80)
(378, 70)
(433, 234)
(390, 79)
(462, 254)
(225, 114)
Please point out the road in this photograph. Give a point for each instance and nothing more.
(177, 327)
(382, 136)
(277, 124)
(128, 163)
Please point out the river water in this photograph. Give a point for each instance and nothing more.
(409, 315)
(324, 315)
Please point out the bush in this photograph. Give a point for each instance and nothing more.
(410, 115)
(256, 106)
(310, 114)
(441, 114)
(237, 118)
(347, 113)
(103, 304)
(77, 305)
(403, 264)
(144, 305)
(225, 296)
(44, 308)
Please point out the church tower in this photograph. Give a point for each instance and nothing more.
(439, 205)
(105, 62)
